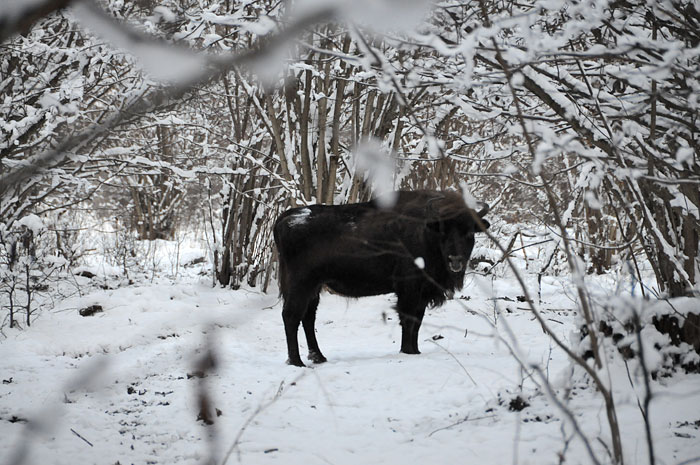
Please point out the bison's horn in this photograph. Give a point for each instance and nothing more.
(484, 209)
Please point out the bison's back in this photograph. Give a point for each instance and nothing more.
(354, 249)
(297, 229)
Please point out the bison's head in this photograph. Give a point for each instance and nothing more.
(457, 239)
(456, 250)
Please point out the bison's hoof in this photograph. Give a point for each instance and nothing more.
(411, 351)
(296, 363)
(317, 357)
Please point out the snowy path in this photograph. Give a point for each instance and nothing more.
(368, 404)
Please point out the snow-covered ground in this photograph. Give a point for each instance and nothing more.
(122, 387)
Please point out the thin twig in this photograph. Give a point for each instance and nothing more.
(456, 360)
(81, 437)
(459, 422)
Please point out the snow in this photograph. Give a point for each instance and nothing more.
(374, 163)
(164, 13)
(31, 222)
(300, 217)
(123, 381)
(420, 262)
(262, 27)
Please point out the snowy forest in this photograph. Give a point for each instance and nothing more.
(148, 146)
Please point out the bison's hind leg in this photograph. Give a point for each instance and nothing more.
(309, 323)
(300, 307)
(293, 312)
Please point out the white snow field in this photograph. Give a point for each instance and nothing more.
(121, 386)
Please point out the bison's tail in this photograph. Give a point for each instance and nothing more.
(282, 267)
(281, 275)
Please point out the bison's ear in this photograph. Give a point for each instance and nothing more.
(483, 210)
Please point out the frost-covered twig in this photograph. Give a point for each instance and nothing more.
(647, 387)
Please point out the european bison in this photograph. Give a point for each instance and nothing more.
(417, 249)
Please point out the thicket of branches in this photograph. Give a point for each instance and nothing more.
(586, 109)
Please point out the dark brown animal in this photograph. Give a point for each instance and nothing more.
(417, 249)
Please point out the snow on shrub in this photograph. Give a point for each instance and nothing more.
(669, 331)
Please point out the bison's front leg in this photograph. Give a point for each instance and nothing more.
(411, 313)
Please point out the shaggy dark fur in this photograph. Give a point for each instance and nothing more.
(417, 249)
